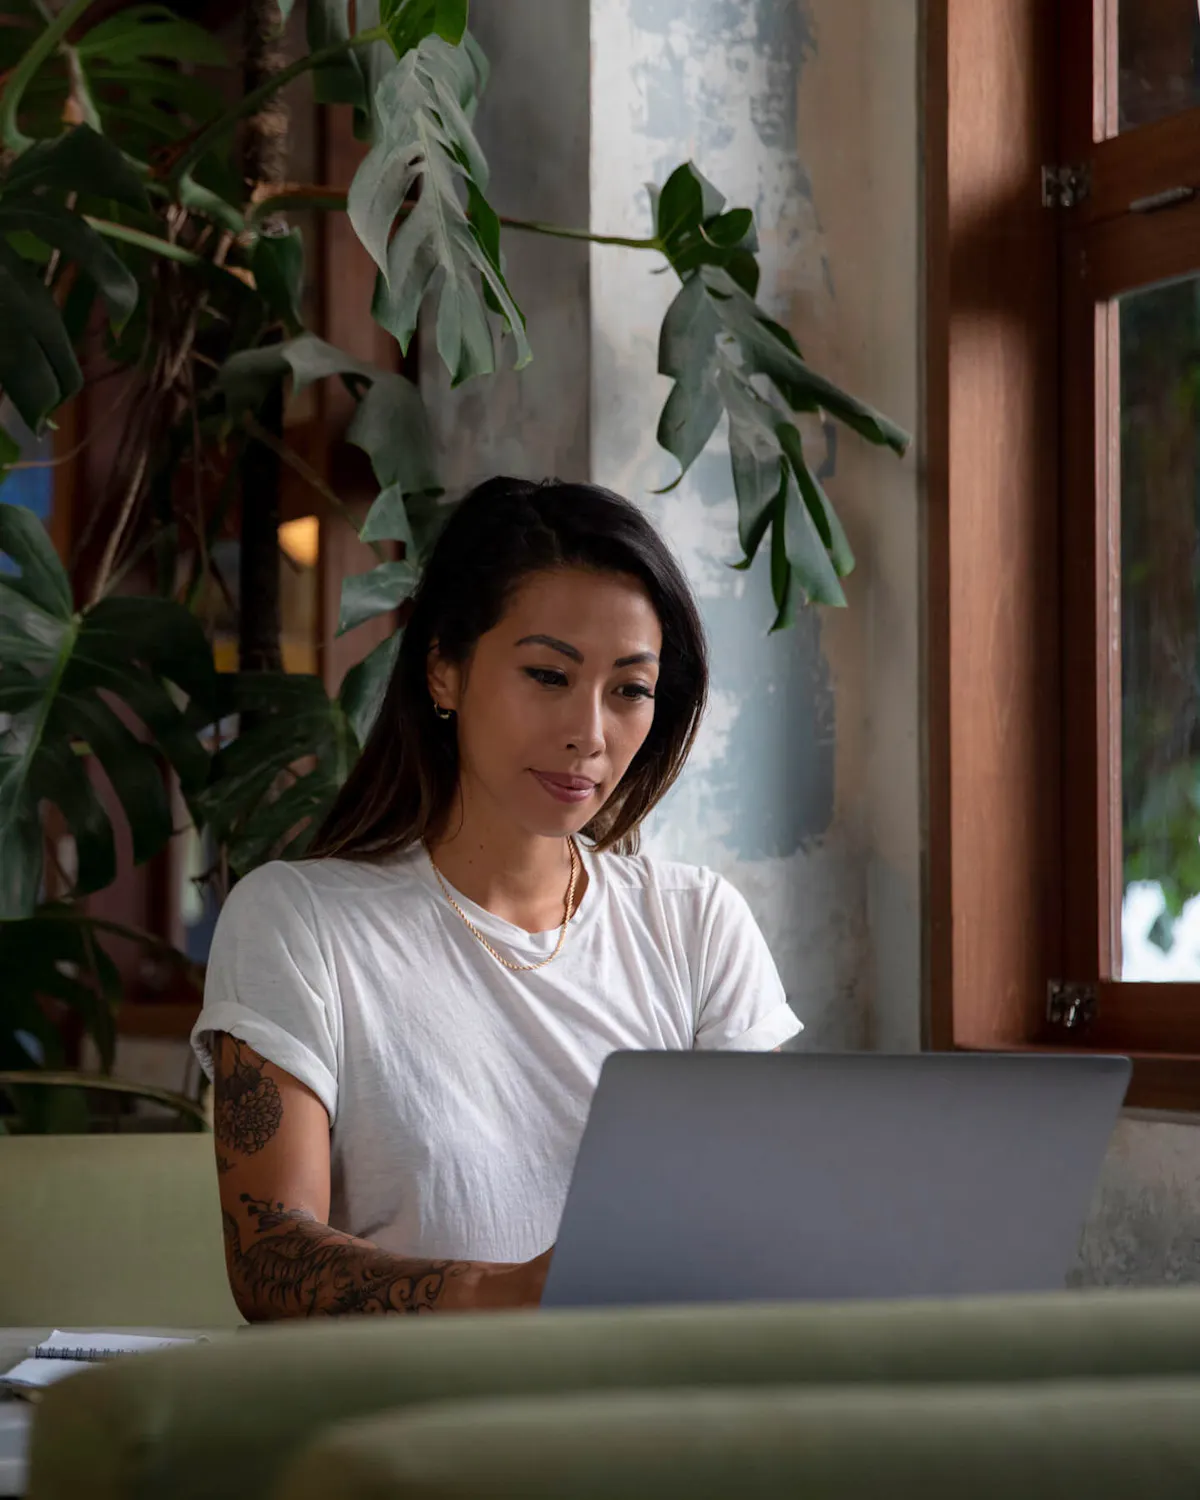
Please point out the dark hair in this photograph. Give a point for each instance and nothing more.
(403, 785)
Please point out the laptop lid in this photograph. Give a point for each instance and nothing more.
(727, 1176)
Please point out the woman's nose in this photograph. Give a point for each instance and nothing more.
(585, 728)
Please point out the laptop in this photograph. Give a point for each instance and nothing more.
(734, 1176)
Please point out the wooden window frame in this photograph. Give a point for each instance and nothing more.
(1023, 826)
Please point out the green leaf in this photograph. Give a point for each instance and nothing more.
(294, 719)
(756, 457)
(425, 145)
(58, 953)
(383, 588)
(819, 505)
(387, 520)
(811, 566)
(781, 572)
(10, 452)
(687, 198)
(38, 368)
(764, 352)
(151, 31)
(79, 161)
(342, 80)
(391, 428)
(56, 774)
(246, 377)
(56, 689)
(132, 769)
(365, 684)
(277, 262)
(20, 843)
(687, 351)
(79, 243)
(23, 538)
(409, 22)
(306, 799)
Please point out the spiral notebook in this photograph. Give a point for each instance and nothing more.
(65, 1354)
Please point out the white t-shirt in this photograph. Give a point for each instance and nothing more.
(457, 1091)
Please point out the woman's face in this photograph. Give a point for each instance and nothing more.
(556, 700)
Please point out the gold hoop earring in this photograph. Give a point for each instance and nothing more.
(443, 713)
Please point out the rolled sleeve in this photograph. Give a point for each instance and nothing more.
(268, 983)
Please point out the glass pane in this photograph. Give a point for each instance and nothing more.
(1158, 60)
(1160, 631)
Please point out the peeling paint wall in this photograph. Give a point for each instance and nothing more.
(802, 791)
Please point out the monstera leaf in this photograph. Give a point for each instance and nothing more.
(123, 76)
(726, 357)
(70, 686)
(55, 953)
(272, 784)
(424, 145)
(38, 368)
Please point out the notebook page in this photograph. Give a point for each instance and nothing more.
(101, 1345)
(37, 1374)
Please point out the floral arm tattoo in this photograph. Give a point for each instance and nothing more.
(283, 1262)
(249, 1106)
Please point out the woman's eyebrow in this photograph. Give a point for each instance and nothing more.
(554, 644)
(573, 652)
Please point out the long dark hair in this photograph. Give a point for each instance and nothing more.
(404, 783)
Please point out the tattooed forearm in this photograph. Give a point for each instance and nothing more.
(285, 1264)
(248, 1105)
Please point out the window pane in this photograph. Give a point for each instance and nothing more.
(1158, 47)
(1160, 631)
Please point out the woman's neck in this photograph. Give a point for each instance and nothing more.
(517, 876)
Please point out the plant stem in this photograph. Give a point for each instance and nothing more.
(529, 226)
(319, 195)
(249, 105)
(145, 241)
(305, 470)
(23, 74)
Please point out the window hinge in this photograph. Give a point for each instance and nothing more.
(1070, 1006)
(1064, 187)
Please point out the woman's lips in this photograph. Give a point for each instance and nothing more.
(566, 788)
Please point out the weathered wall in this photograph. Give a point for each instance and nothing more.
(803, 789)
(1145, 1225)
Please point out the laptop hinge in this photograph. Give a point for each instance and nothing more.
(1071, 1005)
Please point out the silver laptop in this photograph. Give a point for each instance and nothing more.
(730, 1176)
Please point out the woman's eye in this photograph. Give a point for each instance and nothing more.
(547, 676)
(635, 690)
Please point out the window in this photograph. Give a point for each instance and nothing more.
(1064, 535)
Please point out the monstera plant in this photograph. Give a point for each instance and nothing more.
(140, 207)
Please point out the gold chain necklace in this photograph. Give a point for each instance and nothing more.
(568, 906)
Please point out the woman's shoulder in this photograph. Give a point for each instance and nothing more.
(309, 885)
(695, 894)
(645, 873)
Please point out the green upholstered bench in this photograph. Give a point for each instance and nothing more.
(1103, 1439)
(225, 1419)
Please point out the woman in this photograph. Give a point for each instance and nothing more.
(406, 1028)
